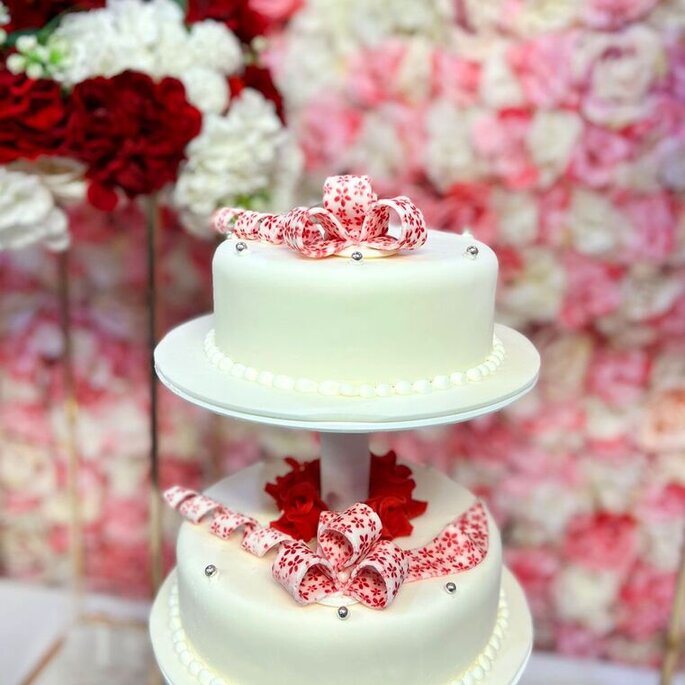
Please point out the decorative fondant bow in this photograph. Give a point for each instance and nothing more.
(352, 216)
(350, 557)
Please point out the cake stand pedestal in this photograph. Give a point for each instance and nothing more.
(344, 425)
(183, 367)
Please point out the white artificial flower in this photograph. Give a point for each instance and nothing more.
(64, 177)
(325, 33)
(662, 542)
(594, 224)
(206, 89)
(378, 149)
(615, 489)
(517, 216)
(499, 87)
(149, 37)
(587, 597)
(413, 77)
(551, 139)
(544, 16)
(606, 423)
(536, 293)
(648, 291)
(619, 69)
(450, 157)
(668, 15)
(567, 358)
(240, 157)
(28, 213)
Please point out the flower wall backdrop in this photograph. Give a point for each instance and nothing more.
(553, 129)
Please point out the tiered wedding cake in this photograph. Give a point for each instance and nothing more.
(271, 586)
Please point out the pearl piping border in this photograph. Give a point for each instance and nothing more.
(197, 668)
(287, 383)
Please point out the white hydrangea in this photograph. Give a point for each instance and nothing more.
(450, 157)
(149, 37)
(587, 597)
(244, 156)
(326, 32)
(28, 213)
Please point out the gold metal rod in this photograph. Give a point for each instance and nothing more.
(76, 541)
(153, 220)
(674, 632)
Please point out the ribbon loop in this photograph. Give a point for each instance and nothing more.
(351, 216)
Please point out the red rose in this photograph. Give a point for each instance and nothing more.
(34, 14)
(258, 78)
(301, 507)
(131, 132)
(236, 14)
(32, 117)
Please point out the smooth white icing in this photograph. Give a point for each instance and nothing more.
(203, 673)
(399, 324)
(365, 390)
(239, 625)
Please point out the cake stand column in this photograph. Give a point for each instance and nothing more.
(345, 464)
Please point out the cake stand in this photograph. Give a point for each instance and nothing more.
(344, 425)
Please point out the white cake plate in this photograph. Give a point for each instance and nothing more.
(182, 365)
(507, 668)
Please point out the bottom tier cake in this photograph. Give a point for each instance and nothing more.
(221, 618)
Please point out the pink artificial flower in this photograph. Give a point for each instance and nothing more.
(536, 569)
(598, 155)
(619, 377)
(553, 205)
(500, 138)
(602, 542)
(372, 72)
(276, 10)
(646, 599)
(593, 289)
(663, 502)
(578, 641)
(328, 129)
(543, 68)
(455, 78)
(613, 14)
(653, 223)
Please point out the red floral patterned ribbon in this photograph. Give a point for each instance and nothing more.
(350, 557)
(351, 216)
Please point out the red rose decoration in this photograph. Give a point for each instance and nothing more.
(131, 132)
(236, 14)
(390, 496)
(298, 497)
(34, 14)
(32, 117)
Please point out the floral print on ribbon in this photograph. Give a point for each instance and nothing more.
(352, 216)
(350, 557)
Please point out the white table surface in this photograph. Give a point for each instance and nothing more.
(112, 648)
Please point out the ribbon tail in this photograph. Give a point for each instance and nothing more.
(376, 581)
(460, 546)
(303, 574)
(315, 240)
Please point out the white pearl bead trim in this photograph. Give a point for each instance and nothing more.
(475, 673)
(367, 391)
(483, 663)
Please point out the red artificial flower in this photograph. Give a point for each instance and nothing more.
(298, 497)
(236, 14)
(258, 78)
(32, 117)
(390, 496)
(34, 14)
(131, 132)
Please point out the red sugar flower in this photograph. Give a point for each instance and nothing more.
(297, 495)
(131, 132)
(34, 14)
(238, 16)
(32, 117)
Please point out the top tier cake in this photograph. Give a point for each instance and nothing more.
(328, 300)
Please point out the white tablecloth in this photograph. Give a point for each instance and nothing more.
(111, 647)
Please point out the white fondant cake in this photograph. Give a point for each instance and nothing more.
(414, 321)
(240, 627)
